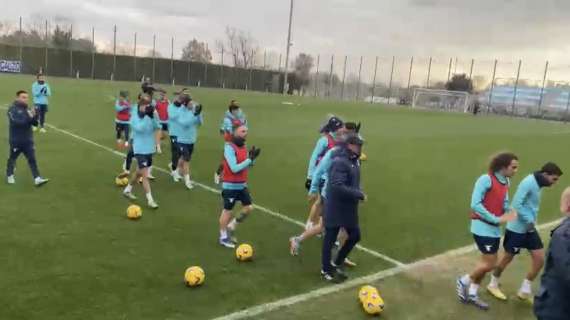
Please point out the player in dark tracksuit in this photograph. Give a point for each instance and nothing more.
(21, 119)
(551, 301)
(341, 207)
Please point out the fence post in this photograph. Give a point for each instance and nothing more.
(93, 52)
(374, 80)
(542, 89)
(391, 78)
(343, 78)
(567, 106)
(264, 58)
(455, 66)
(449, 69)
(280, 56)
(70, 50)
(516, 88)
(410, 73)
(222, 68)
(114, 52)
(135, 58)
(471, 69)
(172, 80)
(492, 86)
(46, 53)
(317, 75)
(153, 56)
(429, 72)
(251, 69)
(331, 76)
(359, 79)
(20, 38)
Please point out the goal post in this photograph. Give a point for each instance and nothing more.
(443, 100)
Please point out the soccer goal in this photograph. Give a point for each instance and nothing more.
(443, 100)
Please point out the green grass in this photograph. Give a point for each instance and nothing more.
(69, 251)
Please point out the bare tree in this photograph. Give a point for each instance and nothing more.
(240, 45)
(196, 51)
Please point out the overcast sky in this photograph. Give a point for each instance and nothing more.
(486, 29)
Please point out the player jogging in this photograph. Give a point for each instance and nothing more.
(143, 126)
(123, 110)
(161, 106)
(521, 233)
(188, 119)
(237, 160)
(180, 101)
(233, 118)
(40, 92)
(325, 143)
(489, 205)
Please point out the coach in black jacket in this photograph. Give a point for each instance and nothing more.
(552, 301)
(21, 119)
(341, 206)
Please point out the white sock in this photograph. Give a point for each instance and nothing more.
(232, 224)
(526, 286)
(187, 178)
(223, 234)
(128, 188)
(150, 170)
(149, 197)
(466, 279)
(473, 288)
(494, 282)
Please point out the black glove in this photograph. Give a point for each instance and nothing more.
(149, 111)
(254, 153)
(43, 91)
(198, 109)
(358, 127)
(308, 183)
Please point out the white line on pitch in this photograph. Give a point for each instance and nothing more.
(286, 302)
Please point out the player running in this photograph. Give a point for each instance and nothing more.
(521, 233)
(233, 118)
(122, 119)
(188, 119)
(40, 92)
(161, 106)
(325, 143)
(143, 125)
(489, 205)
(237, 160)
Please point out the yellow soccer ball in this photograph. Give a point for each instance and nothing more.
(121, 182)
(194, 276)
(366, 291)
(134, 212)
(373, 305)
(244, 252)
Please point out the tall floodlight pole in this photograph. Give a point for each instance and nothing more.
(288, 49)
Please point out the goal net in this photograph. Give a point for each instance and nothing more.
(443, 100)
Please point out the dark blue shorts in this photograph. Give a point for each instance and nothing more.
(185, 150)
(144, 160)
(164, 126)
(487, 245)
(42, 107)
(230, 198)
(514, 242)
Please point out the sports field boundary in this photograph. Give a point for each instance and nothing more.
(278, 215)
(289, 301)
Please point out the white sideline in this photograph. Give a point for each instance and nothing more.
(214, 190)
(286, 302)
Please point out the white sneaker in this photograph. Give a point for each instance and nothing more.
(39, 181)
(216, 178)
(308, 225)
(34, 128)
(150, 177)
(152, 204)
(189, 185)
(126, 144)
(175, 176)
(43, 130)
(129, 195)
(11, 179)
